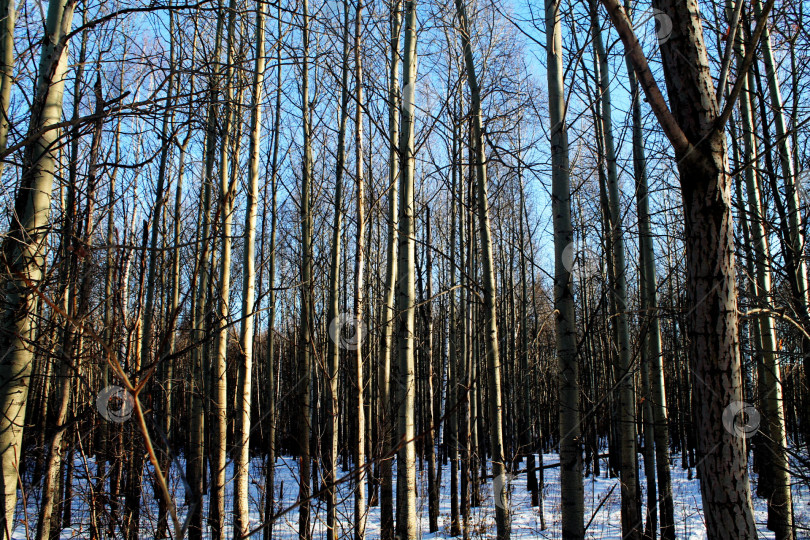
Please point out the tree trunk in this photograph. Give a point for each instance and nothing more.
(389, 315)
(406, 462)
(8, 19)
(695, 127)
(333, 315)
(359, 269)
(241, 510)
(269, 509)
(776, 470)
(307, 321)
(23, 252)
(500, 482)
(572, 491)
(219, 388)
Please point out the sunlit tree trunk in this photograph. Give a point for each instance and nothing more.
(23, 256)
(389, 315)
(333, 306)
(406, 295)
(219, 392)
(241, 510)
(196, 460)
(359, 269)
(777, 467)
(72, 238)
(8, 19)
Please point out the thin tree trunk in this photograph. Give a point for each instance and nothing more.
(776, 471)
(269, 510)
(653, 349)
(333, 314)
(500, 483)
(406, 462)
(307, 321)
(389, 314)
(8, 19)
(632, 524)
(241, 510)
(359, 269)
(195, 466)
(219, 388)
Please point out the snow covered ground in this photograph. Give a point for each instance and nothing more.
(526, 524)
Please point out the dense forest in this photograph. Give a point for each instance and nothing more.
(400, 270)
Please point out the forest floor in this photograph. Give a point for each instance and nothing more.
(602, 506)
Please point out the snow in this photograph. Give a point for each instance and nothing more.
(605, 524)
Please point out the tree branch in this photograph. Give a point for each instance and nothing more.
(748, 60)
(654, 96)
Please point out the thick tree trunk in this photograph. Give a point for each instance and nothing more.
(695, 128)
(23, 257)
(572, 491)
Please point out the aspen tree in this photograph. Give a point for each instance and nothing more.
(631, 520)
(777, 470)
(218, 416)
(271, 351)
(571, 488)
(8, 19)
(389, 314)
(406, 462)
(246, 337)
(23, 255)
(694, 122)
(493, 362)
(359, 269)
(649, 304)
(306, 339)
(333, 309)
